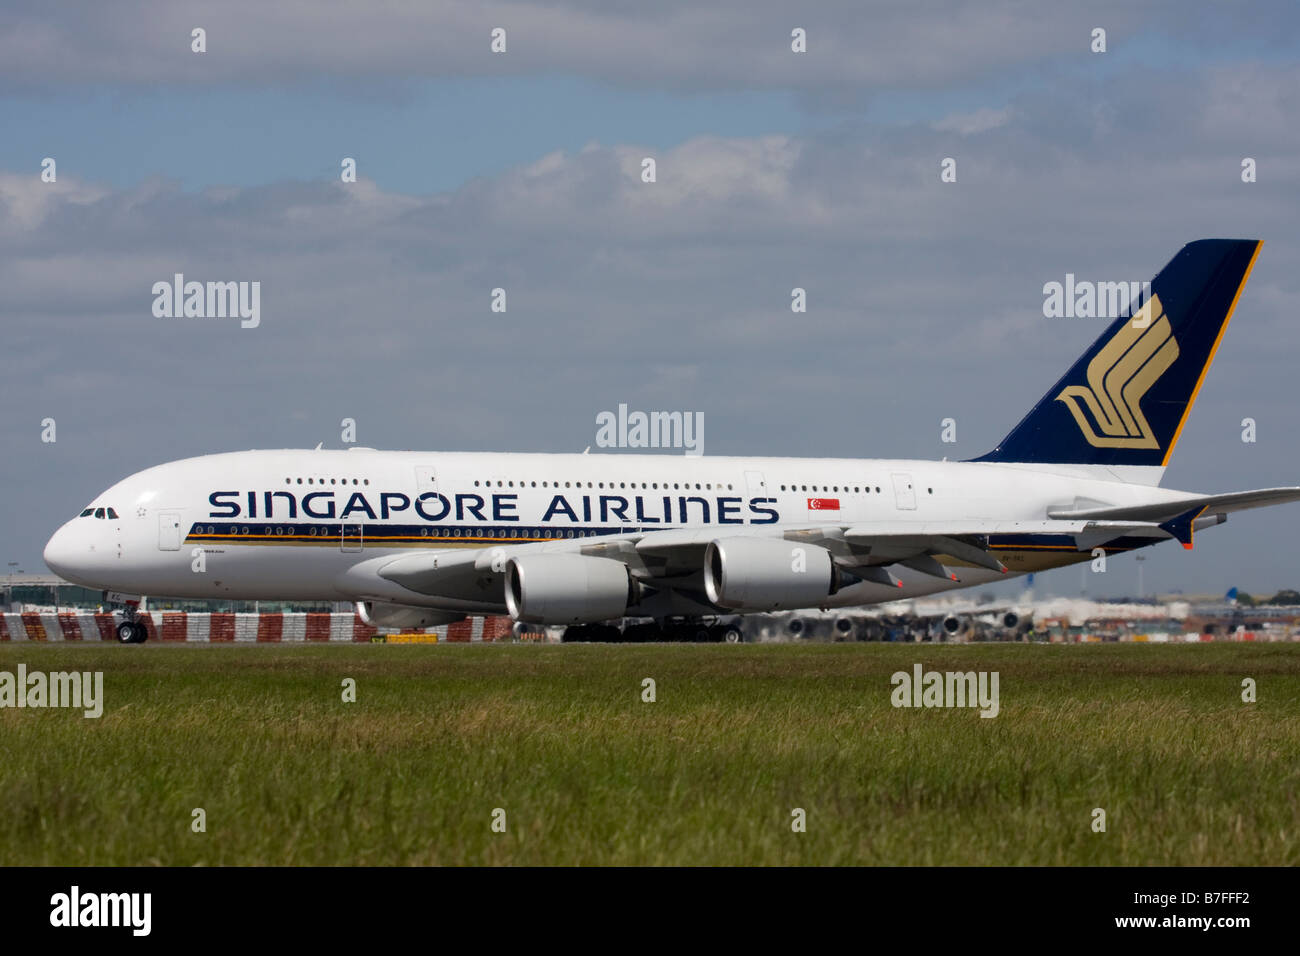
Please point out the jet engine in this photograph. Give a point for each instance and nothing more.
(568, 589)
(769, 574)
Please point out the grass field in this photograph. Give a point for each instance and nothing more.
(587, 773)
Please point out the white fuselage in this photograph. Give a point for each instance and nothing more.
(314, 525)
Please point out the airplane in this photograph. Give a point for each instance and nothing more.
(418, 539)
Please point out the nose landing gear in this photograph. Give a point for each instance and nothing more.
(131, 631)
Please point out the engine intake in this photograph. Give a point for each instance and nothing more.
(769, 574)
(568, 589)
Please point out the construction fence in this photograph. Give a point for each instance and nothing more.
(200, 628)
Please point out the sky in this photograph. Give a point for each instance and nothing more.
(521, 170)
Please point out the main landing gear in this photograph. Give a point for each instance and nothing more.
(675, 631)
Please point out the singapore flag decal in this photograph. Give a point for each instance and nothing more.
(823, 504)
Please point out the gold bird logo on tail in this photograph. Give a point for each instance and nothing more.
(1124, 371)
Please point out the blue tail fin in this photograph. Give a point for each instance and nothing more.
(1126, 400)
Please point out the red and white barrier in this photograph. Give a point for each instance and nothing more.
(202, 628)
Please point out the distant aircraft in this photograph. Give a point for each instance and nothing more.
(942, 621)
(418, 539)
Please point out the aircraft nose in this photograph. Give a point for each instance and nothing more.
(63, 555)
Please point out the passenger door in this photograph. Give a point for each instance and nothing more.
(351, 539)
(904, 493)
(169, 531)
(426, 479)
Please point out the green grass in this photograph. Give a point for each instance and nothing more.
(708, 774)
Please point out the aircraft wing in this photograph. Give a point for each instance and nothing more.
(1165, 510)
(675, 558)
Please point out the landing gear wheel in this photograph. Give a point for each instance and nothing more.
(131, 632)
(642, 633)
(733, 635)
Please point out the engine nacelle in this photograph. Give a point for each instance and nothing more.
(952, 624)
(768, 574)
(403, 616)
(568, 589)
(1010, 620)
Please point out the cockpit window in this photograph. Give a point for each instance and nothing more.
(112, 514)
(99, 512)
(87, 513)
